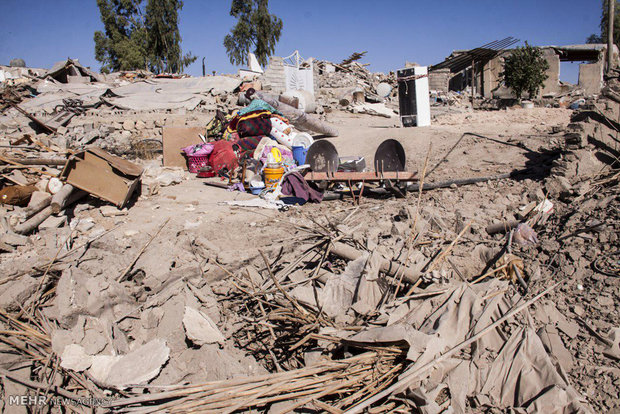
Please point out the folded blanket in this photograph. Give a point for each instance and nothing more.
(254, 127)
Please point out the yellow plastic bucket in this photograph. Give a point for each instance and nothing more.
(272, 176)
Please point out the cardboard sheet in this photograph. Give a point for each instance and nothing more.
(175, 138)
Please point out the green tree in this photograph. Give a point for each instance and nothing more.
(139, 37)
(256, 31)
(164, 39)
(525, 70)
(594, 39)
(122, 44)
(602, 38)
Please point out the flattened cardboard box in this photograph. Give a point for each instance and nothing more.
(103, 175)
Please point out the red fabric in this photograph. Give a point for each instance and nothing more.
(232, 124)
(223, 156)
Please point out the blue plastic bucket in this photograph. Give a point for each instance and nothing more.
(299, 155)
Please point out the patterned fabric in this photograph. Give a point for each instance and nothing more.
(247, 145)
(280, 117)
(253, 127)
(218, 124)
(230, 136)
(258, 104)
(234, 122)
(198, 150)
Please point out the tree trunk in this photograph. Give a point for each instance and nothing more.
(59, 200)
(38, 201)
(32, 223)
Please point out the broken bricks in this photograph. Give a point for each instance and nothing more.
(349, 299)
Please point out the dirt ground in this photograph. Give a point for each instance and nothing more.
(206, 234)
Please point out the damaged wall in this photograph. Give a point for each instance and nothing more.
(552, 84)
(438, 80)
(590, 73)
(591, 77)
(273, 79)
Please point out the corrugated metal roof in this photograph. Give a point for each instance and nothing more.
(485, 52)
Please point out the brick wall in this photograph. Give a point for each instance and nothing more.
(438, 80)
(273, 79)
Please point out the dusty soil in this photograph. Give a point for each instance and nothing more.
(203, 231)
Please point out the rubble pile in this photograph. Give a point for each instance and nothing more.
(354, 88)
(415, 290)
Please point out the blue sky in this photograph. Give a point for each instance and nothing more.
(43, 31)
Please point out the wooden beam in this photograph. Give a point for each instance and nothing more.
(361, 176)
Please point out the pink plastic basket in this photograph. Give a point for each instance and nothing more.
(196, 162)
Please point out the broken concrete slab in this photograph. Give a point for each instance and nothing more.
(53, 222)
(74, 357)
(112, 211)
(139, 366)
(200, 329)
(13, 239)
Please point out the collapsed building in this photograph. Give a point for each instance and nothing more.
(478, 70)
(138, 286)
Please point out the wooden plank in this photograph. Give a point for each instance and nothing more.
(361, 176)
(34, 119)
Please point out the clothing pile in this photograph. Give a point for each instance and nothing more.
(261, 141)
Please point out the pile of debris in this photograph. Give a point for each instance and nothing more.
(392, 305)
(336, 323)
(351, 86)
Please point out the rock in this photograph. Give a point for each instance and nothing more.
(13, 388)
(15, 294)
(169, 178)
(80, 294)
(7, 248)
(605, 301)
(570, 328)
(88, 137)
(53, 222)
(578, 310)
(13, 239)
(75, 358)
(112, 211)
(525, 235)
(140, 125)
(613, 351)
(400, 229)
(128, 125)
(137, 367)
(94, 341)
(82, 225)
(200, 329)
(105, 130)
